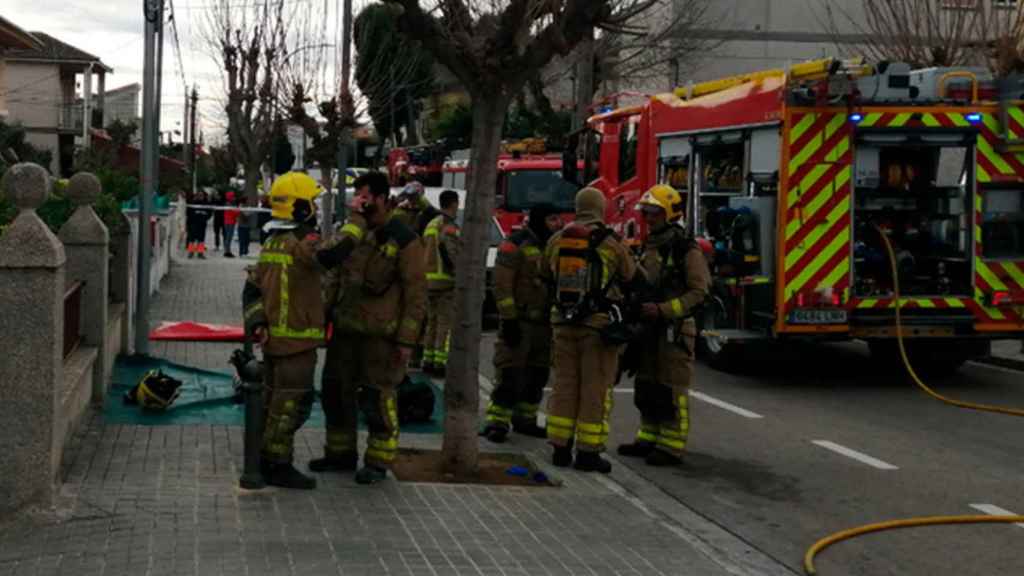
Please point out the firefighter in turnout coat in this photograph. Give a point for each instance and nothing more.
(442, 245)
(588, 267)
(522, 354)
(284, 314)
(678, 273)
(378, 312)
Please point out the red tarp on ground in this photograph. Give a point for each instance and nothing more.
(197, 332)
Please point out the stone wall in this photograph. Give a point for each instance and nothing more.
(47, 387)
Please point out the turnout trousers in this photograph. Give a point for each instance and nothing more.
(361, 376)
(521, 373)
(585, 370)
(663, 388)
(288, 397)
(440, 309)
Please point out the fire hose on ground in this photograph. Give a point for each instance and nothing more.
(824, 543)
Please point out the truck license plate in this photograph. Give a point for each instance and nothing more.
(813, 316)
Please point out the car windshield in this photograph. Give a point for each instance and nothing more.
(528, 188)
(494, 235)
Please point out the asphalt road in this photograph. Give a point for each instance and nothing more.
(815, 440)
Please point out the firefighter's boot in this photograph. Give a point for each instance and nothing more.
(286, 476)
(335, 463)
(562, 457)
(529, 428)
(370, 474)
(592, 462)
(636, 449)
(495, 433)
(661, 458)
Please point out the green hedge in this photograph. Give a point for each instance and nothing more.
(55, 212)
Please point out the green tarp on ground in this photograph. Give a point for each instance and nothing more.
(206, 398)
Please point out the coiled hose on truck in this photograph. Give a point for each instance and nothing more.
(924, 520)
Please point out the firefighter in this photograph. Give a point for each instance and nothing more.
(378, 313)
(441, 244)
(588, 267)
(414, 210)
(522, 354)
(678, 274)
(284, 314)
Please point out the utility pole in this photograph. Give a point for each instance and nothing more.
(192, 137)
(87, 107)
(186, 158)
(345, 136)
(152, 14)
(158, 94)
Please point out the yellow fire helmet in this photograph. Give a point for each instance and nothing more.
(287, 190)
(664, 197)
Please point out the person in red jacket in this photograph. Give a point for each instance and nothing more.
(230, 222)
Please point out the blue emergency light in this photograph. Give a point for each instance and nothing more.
(856, 117)
(974, 117)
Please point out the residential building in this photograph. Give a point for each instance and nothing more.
(42, 84)
(11, 38)
(750, 35)
(122, 104)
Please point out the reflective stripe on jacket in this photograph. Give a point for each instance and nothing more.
(441, 244)
(290, 303)
(518, 289)
(383, 286)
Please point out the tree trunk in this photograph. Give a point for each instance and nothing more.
(462, 389)
(253, 174)
(412, 136)
(584, 81)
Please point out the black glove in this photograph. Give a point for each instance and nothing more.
(511, 332)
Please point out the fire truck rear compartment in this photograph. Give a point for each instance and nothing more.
(917, 188)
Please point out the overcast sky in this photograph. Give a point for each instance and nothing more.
(113, 31)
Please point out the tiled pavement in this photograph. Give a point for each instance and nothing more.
(1008, 353)
(164, 501)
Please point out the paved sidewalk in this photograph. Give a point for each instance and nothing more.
(164, 501)
(1007, 353)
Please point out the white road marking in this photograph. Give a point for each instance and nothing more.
(995, 368)
(724, 405)
(993, 510)
(617, 390)
(858, 456)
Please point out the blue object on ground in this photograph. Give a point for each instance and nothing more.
(518, 471)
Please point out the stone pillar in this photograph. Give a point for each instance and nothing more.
(87, 244)
(31, 337)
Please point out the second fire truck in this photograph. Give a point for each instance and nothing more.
(792, 176)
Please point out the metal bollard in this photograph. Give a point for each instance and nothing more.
(250, 372)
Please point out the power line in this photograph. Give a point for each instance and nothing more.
(177, 45)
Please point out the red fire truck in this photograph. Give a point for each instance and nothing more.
(793, 176)
(523, 182)
(422, 163)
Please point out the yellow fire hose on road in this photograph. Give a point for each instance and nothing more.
(926, 520)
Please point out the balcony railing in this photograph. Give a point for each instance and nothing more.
(70, 117)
